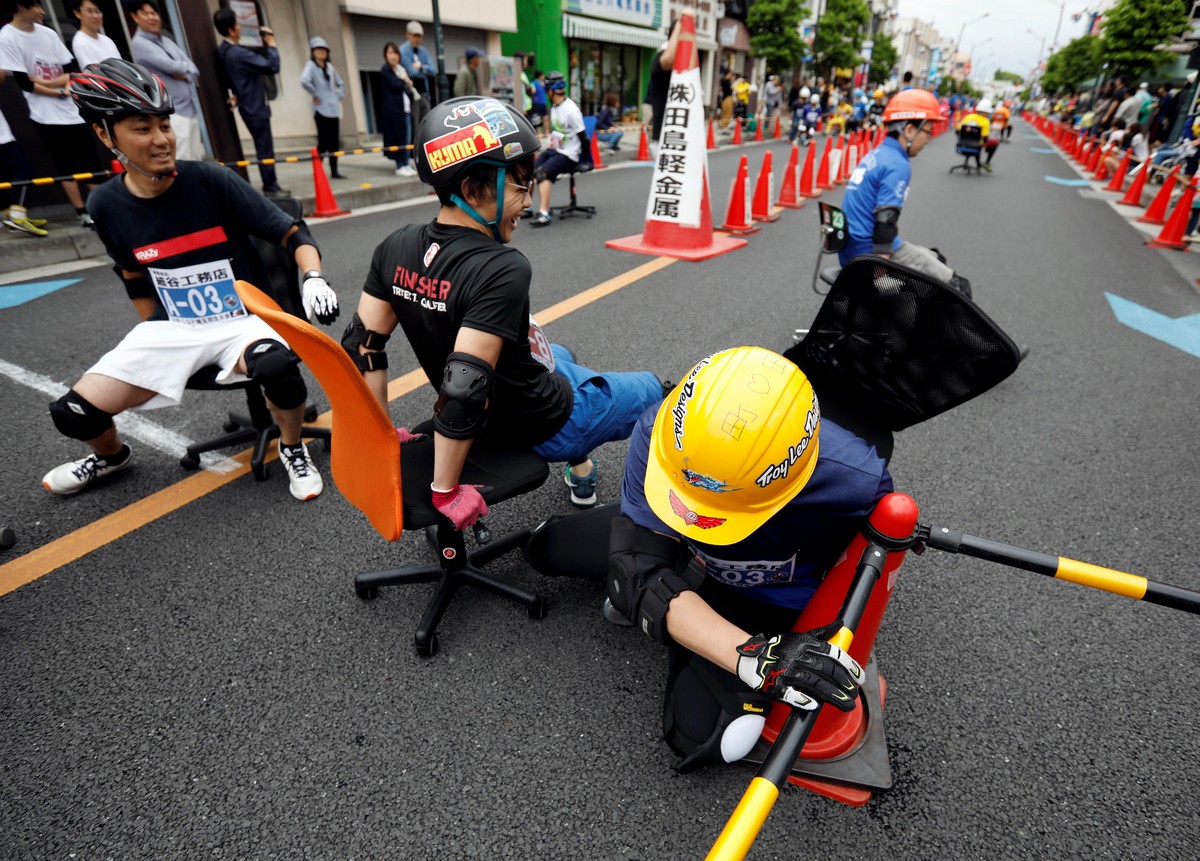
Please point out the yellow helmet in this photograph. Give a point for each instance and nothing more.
(731, 445)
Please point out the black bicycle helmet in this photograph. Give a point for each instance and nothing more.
(461, 133)
(114, 89)
(555, 81)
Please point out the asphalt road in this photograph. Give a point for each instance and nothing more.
(208, 686)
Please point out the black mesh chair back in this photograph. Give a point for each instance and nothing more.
(970, 139)
(834, 237)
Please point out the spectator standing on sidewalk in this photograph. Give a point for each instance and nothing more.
(244, 71)
(163, 57)
(41, 65)
(15, 167)
(539, 111)
(89, 44)
(321, 81)
(466, 82)
(420, 68)
(399, 97)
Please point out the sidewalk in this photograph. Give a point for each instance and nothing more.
(370, 180)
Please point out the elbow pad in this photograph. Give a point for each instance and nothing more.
(887, 228)
(301, 236)
(462, 399)
(642, 579)
(358, 335)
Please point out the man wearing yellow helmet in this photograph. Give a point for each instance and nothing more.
(736, 498)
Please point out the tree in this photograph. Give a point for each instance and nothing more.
(840, 34)
(774, 27)
(1073, 64)
(1011, 77)
(883, 59)
(1133, 28)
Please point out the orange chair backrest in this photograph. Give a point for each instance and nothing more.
(365, 453)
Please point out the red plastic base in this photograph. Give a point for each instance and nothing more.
(720, 245)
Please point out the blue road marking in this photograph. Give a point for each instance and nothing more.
(1075, 183)
(12, 295)
(1182, 333)
(1041, 149)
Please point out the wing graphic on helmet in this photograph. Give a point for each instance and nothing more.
(691, 517)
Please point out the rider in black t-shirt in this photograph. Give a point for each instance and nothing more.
(462, 298)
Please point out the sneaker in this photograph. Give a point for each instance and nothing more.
(303, 479)
(277, 192)
(73, 477)
(85, 221)
(614, 616)
(406, 170)
(25, 225)
(583, 490)
(541, 219)
(987, 167)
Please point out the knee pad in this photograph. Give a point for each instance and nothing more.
(274, 367)
(709, 715)
(77, 418)
(540, 175)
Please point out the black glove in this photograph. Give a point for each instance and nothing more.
(800, 669)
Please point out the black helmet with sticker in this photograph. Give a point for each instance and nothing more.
(462, 133)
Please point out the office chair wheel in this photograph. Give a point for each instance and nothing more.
(259, 471)
(7, 538)
(310, 414)
(426, 646)
(538, 609)
(367, 593)
(230, 426)
(189, 463)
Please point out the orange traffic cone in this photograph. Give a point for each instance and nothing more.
(326, 204)
(806, 174)
(823, 182)
(1118, 180)
(712, 138)
(737, 215)
(789, 189)
(760, 209)
(597, 162)
(1101, 173)
(643, 153)
(758, 131)
(778, 133)
(839, 177)
(1156, 212)
(737, 131)
(678, 213)
(1172, 233)
(117, 167)
(1093, 158)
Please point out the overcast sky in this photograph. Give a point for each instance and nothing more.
(1009, 46)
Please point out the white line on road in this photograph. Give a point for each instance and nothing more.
(130, 424)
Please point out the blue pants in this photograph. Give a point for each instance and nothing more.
(264, 147)
(611, 138)
(606, 408)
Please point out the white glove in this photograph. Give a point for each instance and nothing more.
(319, 300)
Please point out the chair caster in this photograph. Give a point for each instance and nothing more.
(426, 646)
(538, 609)
(366, 593)
(230, 426)
(191, 464)
(310, 414)
(259, 471)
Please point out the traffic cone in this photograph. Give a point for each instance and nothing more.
(1118, 180)
(1093, 158)
(806, 174)
(737, 131)
(778, 133)
(1101, 173)
(712, 138)
(326, 204)
(760, 208)
(1133, 197)
(678, 212)
(643, 153)
(789, 189)
(737, 215)
(1172, 233)
(823, 182)
(117, 167)
(842, 151)
(1156, 212)
(597, 162)
(758, 131)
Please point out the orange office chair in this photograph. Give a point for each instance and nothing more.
(389, 483)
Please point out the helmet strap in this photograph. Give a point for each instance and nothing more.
(494, 225)
(124, 159)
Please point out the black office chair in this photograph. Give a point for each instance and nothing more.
(584, 166)
(256, 425)
(969, 146)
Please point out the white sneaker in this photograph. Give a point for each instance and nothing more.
(409, 170)
(85, 221)
(74, 476)
(303, 479)
(400, 172)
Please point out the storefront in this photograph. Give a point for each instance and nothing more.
(607, 46)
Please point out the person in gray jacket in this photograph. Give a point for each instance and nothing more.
(150, 48)
(322, 81)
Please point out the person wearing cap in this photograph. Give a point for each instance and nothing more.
(323, 83)
(981, 116)
(163, 57)
(737, 498)
(466, 82)
(421, 70)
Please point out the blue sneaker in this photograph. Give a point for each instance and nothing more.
(583, 490)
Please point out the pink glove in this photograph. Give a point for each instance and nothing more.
(405, 435)
(463, 505)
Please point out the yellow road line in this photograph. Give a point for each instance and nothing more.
(49, 557)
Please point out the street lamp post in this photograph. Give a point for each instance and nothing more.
(962, 29)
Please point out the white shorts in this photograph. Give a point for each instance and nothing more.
(160, 355)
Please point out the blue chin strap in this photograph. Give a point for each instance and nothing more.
(494, 224)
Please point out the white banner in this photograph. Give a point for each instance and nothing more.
(682, 165)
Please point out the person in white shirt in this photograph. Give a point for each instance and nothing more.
(178, 73)
(90, 45)
(568, 144)
(41, 65)
(14, 167)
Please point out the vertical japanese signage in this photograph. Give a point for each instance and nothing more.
(680, 171)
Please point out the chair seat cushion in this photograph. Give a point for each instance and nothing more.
(503, 472)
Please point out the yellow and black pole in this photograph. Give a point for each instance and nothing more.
(750, 814)
(1061, 568)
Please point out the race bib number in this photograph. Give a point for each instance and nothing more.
(747, 574)
(200, 294)
(539, 345)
